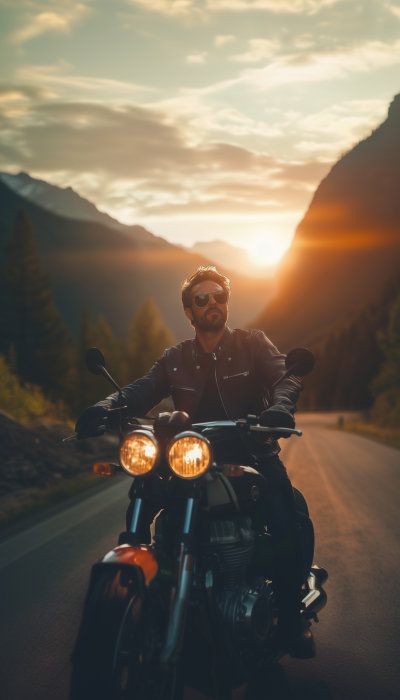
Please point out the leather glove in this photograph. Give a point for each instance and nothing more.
(279, 418)
(89, 421)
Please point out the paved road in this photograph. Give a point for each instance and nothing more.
(353, 489)
(352, 486)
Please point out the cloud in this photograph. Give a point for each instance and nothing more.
(231, 122)
(10, 92)
(303, 41)
(143, 159)
(288, 6)
(167, 7)
(223, 39)
(57, 77)
(319, 65)
(323, 64)
(185, 7)
(336, 128)
(49, 21)
(15, 99)
(351, 116)
(395, 9)
(259, 49)
(196, 57)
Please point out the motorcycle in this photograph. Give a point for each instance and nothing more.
(193, 605)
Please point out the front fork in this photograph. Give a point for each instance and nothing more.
(133, 535)
(180, 594)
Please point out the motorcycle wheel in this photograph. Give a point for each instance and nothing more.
(120, 638)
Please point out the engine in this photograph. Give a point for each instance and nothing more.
(248, 614)
(246, 607)
(233, 541)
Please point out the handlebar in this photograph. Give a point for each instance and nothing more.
(243, 425)
(217, 424)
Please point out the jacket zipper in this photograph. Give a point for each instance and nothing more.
(239, 374)
(216, 381)
(186, 388)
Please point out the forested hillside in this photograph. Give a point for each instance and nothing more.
(349, 355)
(42, 366)
(347, 246)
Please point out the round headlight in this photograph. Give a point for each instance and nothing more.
(189, 455)
(138, 452)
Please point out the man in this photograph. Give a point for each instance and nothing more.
(228, 374)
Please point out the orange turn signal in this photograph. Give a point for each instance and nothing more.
(232, 470)
(104, 468)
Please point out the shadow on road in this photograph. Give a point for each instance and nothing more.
(274, 686)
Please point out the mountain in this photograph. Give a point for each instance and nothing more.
(110, 269)
(347, 247)
(69, 204)
(233, 258)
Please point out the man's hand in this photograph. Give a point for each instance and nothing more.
(277, 417)
(89, 421)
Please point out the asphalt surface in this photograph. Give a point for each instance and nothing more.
(352, 486)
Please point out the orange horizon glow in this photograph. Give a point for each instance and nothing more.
(267, 252)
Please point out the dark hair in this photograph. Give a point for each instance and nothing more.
(201, 275)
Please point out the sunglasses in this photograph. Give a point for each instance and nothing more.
(202, 300)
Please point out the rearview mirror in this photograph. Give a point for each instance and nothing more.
(300, 362)
(93, 358)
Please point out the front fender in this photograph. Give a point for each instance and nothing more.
(143, 565)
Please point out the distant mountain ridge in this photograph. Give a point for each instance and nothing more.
(111, 269)
(68, 203)
(65, 202)
(347, 247)
(232, 257)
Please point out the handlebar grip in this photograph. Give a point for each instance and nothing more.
(265, 429)
(100, 431)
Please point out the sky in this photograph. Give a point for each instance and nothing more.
(199, 119)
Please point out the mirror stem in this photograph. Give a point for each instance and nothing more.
(284, 376)
(110, 379)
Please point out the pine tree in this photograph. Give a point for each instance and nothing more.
(348, 357)
(386, 386)
(29, 320)
(148, 338)
(94, 388)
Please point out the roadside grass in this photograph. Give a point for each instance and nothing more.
(51, 497)
(388, 436)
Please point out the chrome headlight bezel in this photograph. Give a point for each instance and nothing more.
(201, 438)
(147, 434)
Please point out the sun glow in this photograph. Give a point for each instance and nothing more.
(267, 251)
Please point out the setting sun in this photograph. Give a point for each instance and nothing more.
(266, 251)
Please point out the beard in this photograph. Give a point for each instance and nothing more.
(213, 320)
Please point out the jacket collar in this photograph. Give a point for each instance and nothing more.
(222, 346)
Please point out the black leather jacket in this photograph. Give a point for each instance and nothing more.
(246, 366)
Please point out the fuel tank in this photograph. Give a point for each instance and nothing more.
(221, 493)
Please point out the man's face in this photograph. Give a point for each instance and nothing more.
(214, 316)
